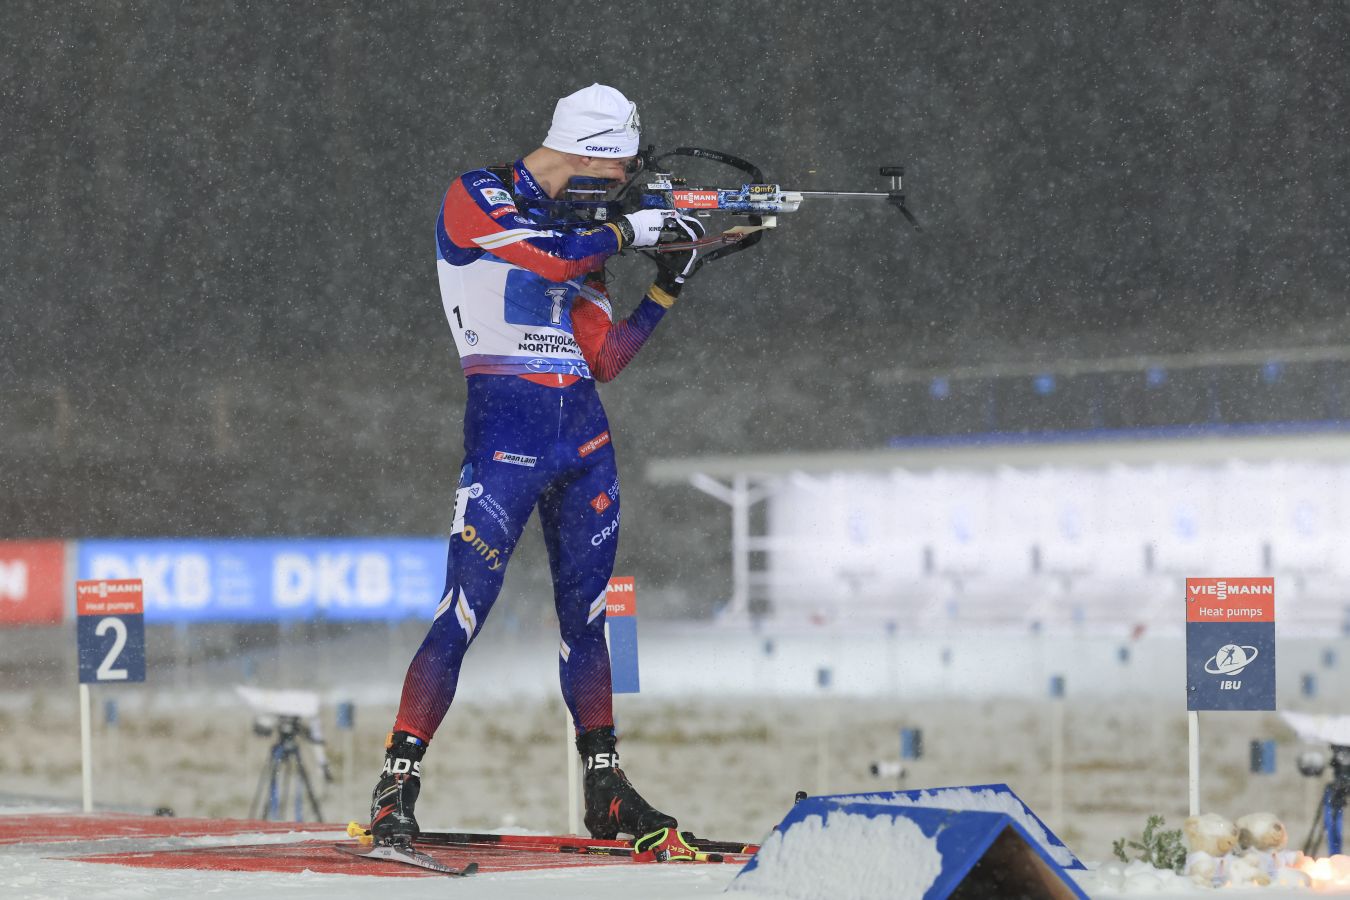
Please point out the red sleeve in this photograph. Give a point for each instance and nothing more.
(607, 345)
(474, 224)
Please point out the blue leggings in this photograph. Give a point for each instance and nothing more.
(526, 445)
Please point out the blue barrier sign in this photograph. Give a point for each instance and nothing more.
(1230, 644)
(346, 715)
(1262, 757)
(621, 634)
(911, 743)
(110, 631)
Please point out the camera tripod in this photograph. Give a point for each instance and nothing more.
(1330, 812)
(284, 767)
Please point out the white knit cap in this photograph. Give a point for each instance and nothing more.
(595, 121)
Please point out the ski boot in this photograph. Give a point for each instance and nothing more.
(612, 803)
(392, 802)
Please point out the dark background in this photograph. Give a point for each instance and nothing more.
(221, 314)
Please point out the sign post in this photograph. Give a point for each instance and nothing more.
(1230, 654)
(1057, 750)
(110, 647)
(621, 635)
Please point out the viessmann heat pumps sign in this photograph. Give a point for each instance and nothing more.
(1230, 643)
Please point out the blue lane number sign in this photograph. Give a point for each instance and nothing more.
(110, 630)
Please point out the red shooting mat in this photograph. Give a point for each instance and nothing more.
(305, 853)
(319, 856)
(43, 828)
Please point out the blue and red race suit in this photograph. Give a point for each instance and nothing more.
(534, 330)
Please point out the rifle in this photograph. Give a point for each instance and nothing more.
(651, 187)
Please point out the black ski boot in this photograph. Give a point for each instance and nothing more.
(612, 804)
(391, 804)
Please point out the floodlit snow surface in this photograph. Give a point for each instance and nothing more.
(864, 855)
(36, 872)
(845, 857)
(33, 877)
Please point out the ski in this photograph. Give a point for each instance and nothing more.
(406, 855)
(565, 844)
(711, 846)
(707, 850)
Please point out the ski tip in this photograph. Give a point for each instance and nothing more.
(405, 855)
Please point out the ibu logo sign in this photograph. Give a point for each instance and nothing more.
(621, 634)
(110, 630)
(1230, 643)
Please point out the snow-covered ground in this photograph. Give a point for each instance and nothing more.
(728, 726)
(39, 871)
(32, 872)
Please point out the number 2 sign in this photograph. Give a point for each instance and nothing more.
(110, 631)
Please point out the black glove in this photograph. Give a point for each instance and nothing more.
(679, 266)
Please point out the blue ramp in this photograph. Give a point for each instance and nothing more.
(978, 798)
(832, 848)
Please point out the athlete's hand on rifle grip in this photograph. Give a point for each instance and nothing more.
(677, 266)
(684, 263)
(681, 228)
(643, 228)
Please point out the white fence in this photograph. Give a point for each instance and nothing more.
(1056, 546)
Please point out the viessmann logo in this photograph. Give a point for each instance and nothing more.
(696, 199)
(103, 588)
(1222, 590)
(593, 444)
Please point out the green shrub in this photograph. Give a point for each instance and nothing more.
(1160, 849)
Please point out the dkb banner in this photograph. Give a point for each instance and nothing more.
(261, 580)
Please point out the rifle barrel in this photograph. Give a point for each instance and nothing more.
(844, 195)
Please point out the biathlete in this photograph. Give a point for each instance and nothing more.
(534, 328)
